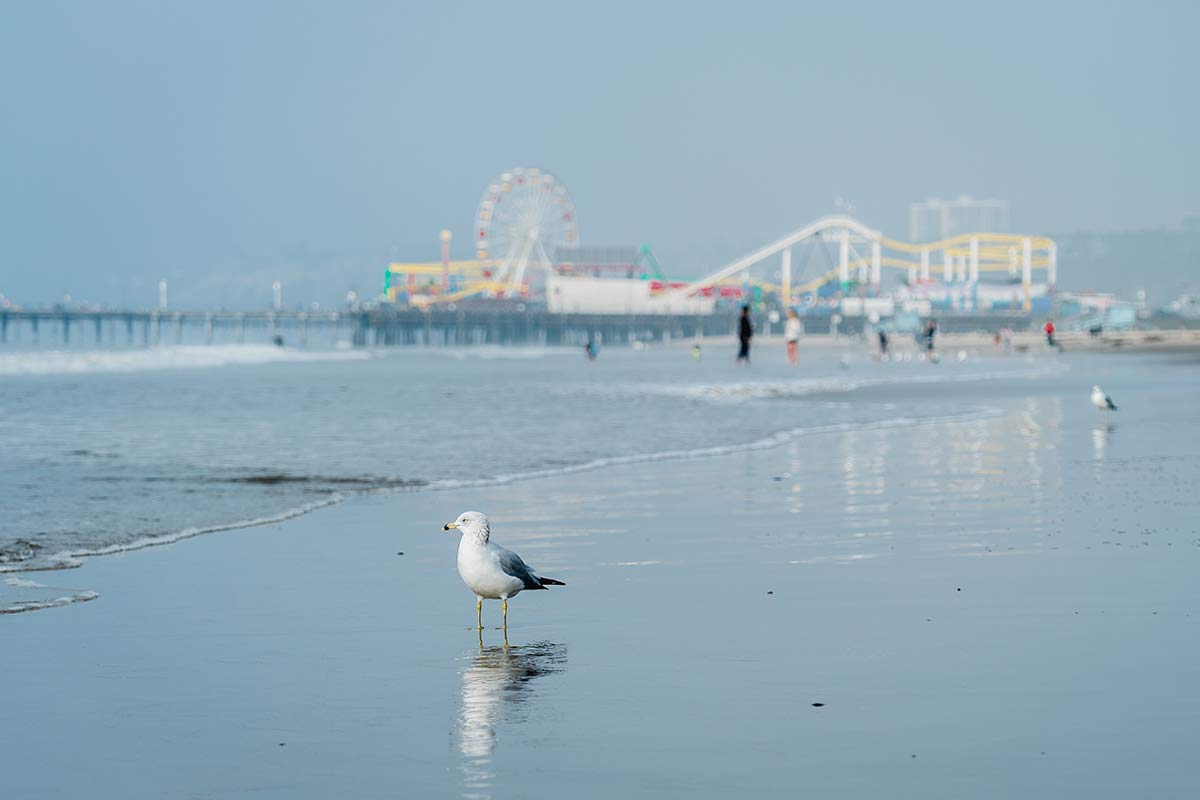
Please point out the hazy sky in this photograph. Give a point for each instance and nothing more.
(220, 144)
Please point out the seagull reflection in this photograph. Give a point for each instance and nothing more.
(497, 687)
(1100, 436)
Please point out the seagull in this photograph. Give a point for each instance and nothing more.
(1101, 400)
(488, 569)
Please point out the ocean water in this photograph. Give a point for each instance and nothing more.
(110, 450)
(1001, 604)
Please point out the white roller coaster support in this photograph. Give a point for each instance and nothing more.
(786, 277)
(1027, 271)
(1012, 262)
(844, 258)
(912, 275)
(947, 266)
(924, 263)
(962, 269)
(838, 223)
(1052, 264)
(876, 263)
(974, 259)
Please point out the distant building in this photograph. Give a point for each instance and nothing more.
(935, 219)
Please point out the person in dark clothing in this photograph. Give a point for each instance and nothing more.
(745, 333)
(883, 342)
(930, 333)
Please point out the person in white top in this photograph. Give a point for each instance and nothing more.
(791, 335)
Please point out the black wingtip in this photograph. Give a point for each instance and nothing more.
(550, 582)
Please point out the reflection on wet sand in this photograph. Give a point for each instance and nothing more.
(967, 471)
(497, 687)
(1100, 436)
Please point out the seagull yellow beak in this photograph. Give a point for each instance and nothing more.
(449, 526)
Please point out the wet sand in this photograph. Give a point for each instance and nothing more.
(999, 607)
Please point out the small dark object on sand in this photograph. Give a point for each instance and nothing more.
(818, 705)
(400, 553)
(959, 589)
(770, 592)
(283, 744)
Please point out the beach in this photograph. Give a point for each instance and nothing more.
(993, 603)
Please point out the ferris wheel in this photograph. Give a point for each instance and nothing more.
(524, 217)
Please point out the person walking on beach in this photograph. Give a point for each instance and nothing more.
(745, 333)
(1049, 329)
(791, 335)
(883, 343)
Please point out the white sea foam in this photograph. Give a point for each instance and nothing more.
(70, 559)
(188, 533)
(740, 392)
(486, 353)
(34, 564)
(21, 583)
(57, 602)
(68, 362)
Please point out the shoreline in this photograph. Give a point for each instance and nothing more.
(75, 559)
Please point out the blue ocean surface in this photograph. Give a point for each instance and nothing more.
(113, 449)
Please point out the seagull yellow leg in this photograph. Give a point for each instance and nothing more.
(505, 602)
(479, 612)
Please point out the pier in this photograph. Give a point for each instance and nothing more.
(359, 328)
(507, 324)
(113, 327)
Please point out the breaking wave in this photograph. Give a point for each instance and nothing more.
(71, 362)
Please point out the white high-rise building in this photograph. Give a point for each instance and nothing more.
(935, 219)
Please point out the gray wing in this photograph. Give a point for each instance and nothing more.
(512, 564)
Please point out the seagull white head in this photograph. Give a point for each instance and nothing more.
(471, 523)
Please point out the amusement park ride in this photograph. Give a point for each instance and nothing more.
(526, 215)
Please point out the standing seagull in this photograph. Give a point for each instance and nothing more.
(488, 569)
(1101, 400)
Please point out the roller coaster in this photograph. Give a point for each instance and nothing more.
(526, 214)
(838, 254)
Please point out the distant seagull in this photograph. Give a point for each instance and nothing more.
(1101, 400)
(488, 569)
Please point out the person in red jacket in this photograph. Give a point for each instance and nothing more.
(1049, 329)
